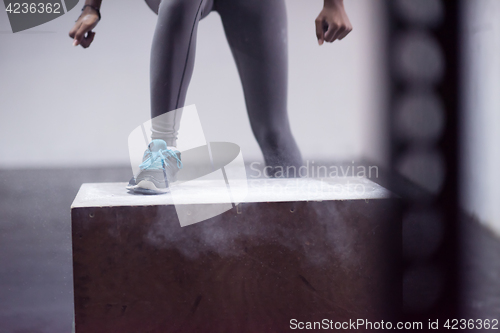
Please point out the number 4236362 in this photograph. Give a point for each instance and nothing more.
(33, 8)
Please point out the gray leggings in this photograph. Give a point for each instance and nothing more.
(257, 34)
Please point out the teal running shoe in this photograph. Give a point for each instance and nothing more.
(158, 169)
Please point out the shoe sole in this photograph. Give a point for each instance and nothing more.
(147, 187)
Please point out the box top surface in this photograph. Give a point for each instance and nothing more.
(251, 190)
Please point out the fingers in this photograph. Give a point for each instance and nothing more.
(339, 31)
(80, 34)
(336, 31)
(88, 39)
(331, 33)
(345, 33)
(73, 30)
(319, 31)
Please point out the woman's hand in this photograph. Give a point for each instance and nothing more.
(332, 23)
(81, 32)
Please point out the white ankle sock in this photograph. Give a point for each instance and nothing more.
(166, 127)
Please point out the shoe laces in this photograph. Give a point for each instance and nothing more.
(159, 156)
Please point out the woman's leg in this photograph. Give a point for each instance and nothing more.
(172, 62)
(257, 34)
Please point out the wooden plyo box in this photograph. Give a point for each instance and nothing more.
(295, 249)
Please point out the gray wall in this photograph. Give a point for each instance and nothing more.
(65, 106)
(481, 124)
